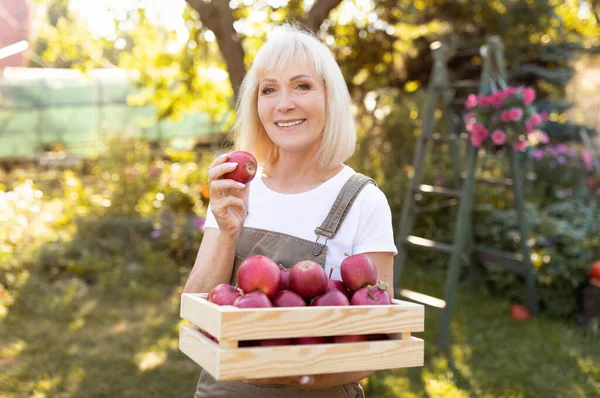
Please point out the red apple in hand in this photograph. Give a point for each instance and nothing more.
(358, 271)
(331, 298)
(224, 294)
(246, 167)
(308, 279)
(372, 295)
(288, 298)
(259, 273)
(253, 300)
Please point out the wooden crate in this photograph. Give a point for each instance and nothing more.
(227, 361)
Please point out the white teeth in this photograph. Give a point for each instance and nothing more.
(289, 124)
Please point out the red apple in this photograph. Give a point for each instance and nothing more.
(253, 300)
(312, 340)
(224, 294)
(519, 313)
(285, 278)
(259, 273)
(371, 295)
(595, 270)
(358, 271)
(338, 285)
(246, 167)
(376, 337)
(273, 342)
(331, 298)
(308, 279)
(210, 336)
(288, 298)
(350, 338)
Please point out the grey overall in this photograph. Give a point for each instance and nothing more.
(287, 250)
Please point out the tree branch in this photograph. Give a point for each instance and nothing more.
(319, 13)
(218, 17)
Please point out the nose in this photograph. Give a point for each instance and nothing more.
(285, 103)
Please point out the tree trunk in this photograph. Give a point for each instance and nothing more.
(218, 17)
(319, 13)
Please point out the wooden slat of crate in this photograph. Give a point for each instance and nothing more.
(298, 360)
(230, 323)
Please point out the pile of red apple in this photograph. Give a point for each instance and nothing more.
(262, 284)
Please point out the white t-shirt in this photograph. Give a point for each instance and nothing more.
(366, 228)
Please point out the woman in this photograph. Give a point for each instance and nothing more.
(295, 115)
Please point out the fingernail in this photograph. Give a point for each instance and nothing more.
(242, 186)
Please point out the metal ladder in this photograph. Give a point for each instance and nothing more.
(463, 245)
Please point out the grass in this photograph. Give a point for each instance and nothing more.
(70, 340)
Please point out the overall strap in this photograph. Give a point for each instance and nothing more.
(340, 208)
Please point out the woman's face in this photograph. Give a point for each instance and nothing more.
(291, 107)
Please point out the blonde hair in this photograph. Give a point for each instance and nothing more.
(283, 47)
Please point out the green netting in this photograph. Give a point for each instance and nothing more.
(41, 107)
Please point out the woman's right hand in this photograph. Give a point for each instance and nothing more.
(228, 198)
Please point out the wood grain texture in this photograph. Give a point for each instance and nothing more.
(199, 348)
(259, 362)
(230, 323)
(202, 313)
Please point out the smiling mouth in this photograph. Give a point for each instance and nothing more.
(289, 124)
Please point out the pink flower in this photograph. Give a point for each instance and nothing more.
(498, 137)
(513, 114)
(528, 95)
(484, 101)
(497, 98)
(476, 141)
(520, 146)
(544, 115)
(587, 160)
(479, 129)
(508, 91)
(535, 120)
(478, 134)
(516, 114)
(468, 118)
(471, 101)
(544, 137)
(561, 148)
(538, 154)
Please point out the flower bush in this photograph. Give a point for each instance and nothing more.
(562, 172)
(505, 117)
(129, 218)
(564, 240)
